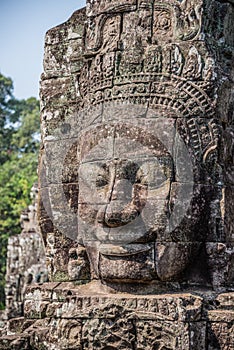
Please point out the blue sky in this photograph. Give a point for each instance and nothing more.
(23, 24)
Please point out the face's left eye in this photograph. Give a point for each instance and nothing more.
(153, 174)
(128, 171)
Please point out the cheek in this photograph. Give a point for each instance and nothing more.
(160, 193)
(102, 193)
(140, 194)
(155, 217)
(155, 211)
(88, 212)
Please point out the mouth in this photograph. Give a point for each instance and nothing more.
(123, 250)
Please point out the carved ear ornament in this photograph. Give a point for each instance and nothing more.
(209, 152)
(202, 142)
(211, 149)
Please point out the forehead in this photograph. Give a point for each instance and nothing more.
(111, 143)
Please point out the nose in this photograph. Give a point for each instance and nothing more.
(121, 191)
(114, 195)
(120, 200)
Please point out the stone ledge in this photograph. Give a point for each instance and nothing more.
(80, 302)
(76, 318)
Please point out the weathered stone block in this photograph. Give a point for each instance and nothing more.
(221, 330)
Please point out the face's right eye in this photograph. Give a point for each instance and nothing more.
(101, 180)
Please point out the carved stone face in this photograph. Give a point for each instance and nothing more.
(126, 185)
(127, 199)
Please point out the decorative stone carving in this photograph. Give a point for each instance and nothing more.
(136, 179)
(132, 208)
(65, 316)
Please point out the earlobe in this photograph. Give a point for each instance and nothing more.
(172, 258)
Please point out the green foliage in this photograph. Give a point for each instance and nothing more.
(6, 88)
(19, 143)
(27, 136)
(17, 176)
